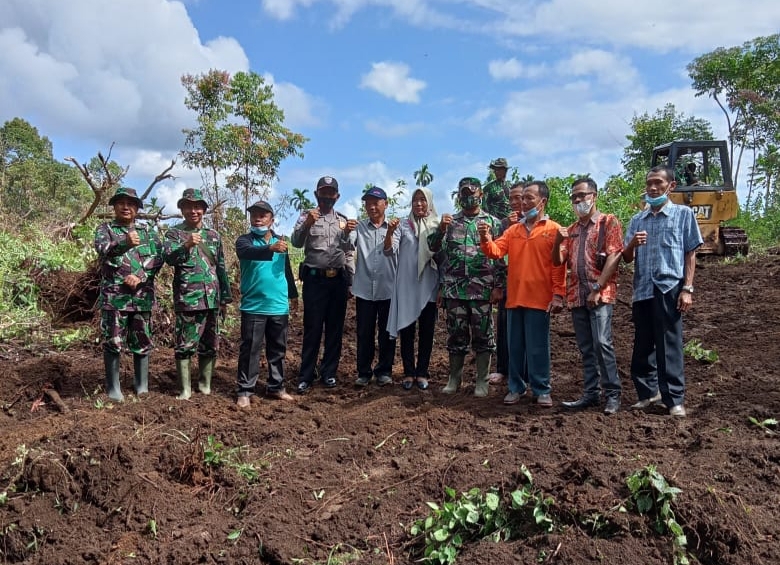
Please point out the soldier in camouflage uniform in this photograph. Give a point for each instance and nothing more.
(495, 197)
(471, 284)
(201, 290)
(130, 256)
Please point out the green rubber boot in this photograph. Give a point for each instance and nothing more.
(483, 366)
(183, 370)
(206, 367)
(456, 373)
(141, 370)
(113, 388)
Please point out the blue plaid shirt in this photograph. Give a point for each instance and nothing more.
(671, 233)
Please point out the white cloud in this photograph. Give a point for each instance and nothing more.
(300, 108)
(393, 81)
(510, 69)
(609, 69)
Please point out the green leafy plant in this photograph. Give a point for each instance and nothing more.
(151, 528)
(695, 349)
(765, 424)
(653, 496)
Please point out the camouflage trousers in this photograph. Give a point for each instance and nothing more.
(469, 320)
(134, 329)
(196, 331)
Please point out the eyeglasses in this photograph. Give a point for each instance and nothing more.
(580, 196)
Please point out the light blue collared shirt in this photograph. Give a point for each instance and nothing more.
(671, 233)
(374, 270)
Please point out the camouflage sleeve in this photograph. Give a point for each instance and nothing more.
(435, 239)
(174, 251)
(499, 265)
(153, 262)
(496, 202)
(225, 294)
(108, 243)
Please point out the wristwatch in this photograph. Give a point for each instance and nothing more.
(595, 287)
(688, 289)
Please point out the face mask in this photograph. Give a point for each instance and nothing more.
(583, 208)
(532, 213)
(468, 202)
(326, 204)
(259, 231)
(657, 201)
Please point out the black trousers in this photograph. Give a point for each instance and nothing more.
(256, 329)
(502, 345)
(324, 308)
(369, 315)
(424, 328)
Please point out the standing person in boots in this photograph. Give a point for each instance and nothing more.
(201, 290)
(268, 293)
(535, 289)
(328, 240)
(130, 256)
(471, 284)
(590, 248)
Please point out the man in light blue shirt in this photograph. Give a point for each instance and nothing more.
(662, 239)
(375, 267)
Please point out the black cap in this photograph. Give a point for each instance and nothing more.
(328, 181)
(261, 205)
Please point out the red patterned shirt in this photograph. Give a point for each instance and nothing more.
(579, 252)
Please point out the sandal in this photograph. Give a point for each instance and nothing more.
(422, 383)
(408, 383)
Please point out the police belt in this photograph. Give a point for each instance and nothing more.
(327, 273)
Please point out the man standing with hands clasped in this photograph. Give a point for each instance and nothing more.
(662, 239)
(590, 248)
(328, 240)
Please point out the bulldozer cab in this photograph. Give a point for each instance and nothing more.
(704, 183)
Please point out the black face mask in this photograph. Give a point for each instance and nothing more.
(326, 204)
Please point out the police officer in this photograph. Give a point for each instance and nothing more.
(328, 239)
(201, 289)
(130, 256)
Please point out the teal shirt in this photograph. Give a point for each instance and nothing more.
(264, 283)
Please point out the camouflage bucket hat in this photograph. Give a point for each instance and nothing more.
(499, 163)
(192, 195)
(473, 183)
(125, 192)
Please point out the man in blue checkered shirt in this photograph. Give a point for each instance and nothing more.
(662, 239)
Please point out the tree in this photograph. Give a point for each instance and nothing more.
(422, 176)
(744, 82)
(240, 139)
(300, 201)
(662, 127)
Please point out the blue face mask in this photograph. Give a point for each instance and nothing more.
(259, 231)
(657, 201)
(532, 213)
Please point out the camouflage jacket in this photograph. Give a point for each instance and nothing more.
(200, 279)
(466, 272)
(495, 198)
(118, 260)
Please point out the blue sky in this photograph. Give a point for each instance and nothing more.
(378, 86)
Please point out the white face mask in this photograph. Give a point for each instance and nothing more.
(583, 208)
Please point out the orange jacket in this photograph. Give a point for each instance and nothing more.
(531, 279)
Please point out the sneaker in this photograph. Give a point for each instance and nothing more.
(544, 400)
(280, 395)
(383, 380)
(303, 387)
(512, 398)
(363, 381)
(242, 402)
(642, 404)
(329, 382)
(678, 411)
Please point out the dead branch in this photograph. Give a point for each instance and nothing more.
(106, 184)
(142, 216)
(166, 174)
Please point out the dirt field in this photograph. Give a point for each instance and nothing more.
(340, 475)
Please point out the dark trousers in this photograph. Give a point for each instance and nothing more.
(324, 306)
(593, 330)
(528, 330)
(424, 328)
(256, 329)
(369, 315)
(657, 361)
(502, 344)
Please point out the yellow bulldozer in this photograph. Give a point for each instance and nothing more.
(703, 173)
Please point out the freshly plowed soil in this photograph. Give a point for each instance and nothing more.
(341, 474)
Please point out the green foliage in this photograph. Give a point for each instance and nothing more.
(65, 339)
(476, 515)
(216, 454)
(765, 424)
(695, 349)
(653, 496)
(423, 176)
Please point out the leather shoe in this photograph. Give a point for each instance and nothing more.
(678, 410)
(642, 404)
(581, 404)
(612, 405)
(303, 387)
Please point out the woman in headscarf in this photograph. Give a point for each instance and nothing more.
(413, 305)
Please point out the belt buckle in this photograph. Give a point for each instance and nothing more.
(330, 273)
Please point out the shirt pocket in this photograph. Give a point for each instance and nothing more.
(671, 239)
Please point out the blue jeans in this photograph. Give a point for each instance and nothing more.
(528, 335)
(657, 361)
(593, 330)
